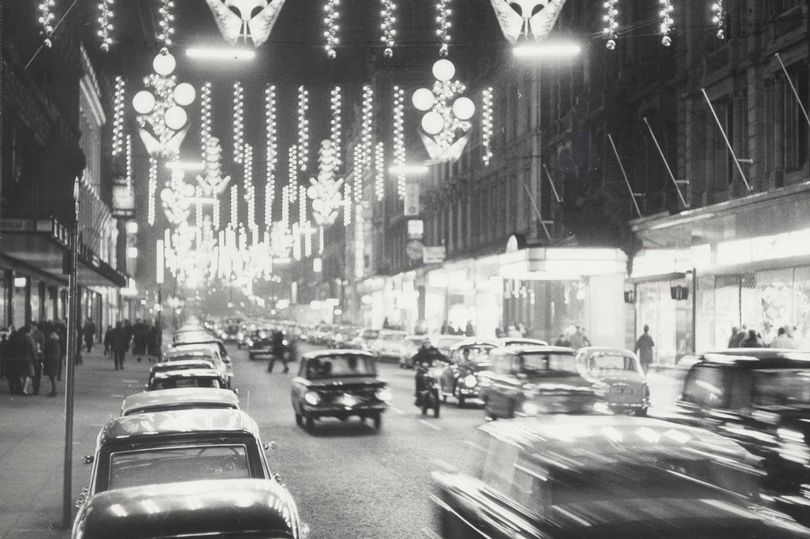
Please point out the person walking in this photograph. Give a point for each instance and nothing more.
(107, 335)
(279, 352)
(644, 349)
(119, 345)
(25, 349)
(738, 337)
(783, 340)
(52, 353)
(469, 330)
(752, 340)
(579, 339)
(89, 332)
(154, 343)
(39, 341)
(140, 332)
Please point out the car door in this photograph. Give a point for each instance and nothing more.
(707, 395)
(501, 392)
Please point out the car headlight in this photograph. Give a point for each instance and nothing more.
(384, 394)
(470, 380)
(240, 335)
(223, 335)
(250, 342)
(285, 342)
(601, 408)
(312, 397)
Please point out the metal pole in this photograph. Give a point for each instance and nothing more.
(666, 163)
(793, 87)
(70, 360)
(624, 174)
(725, 138)
(553, 187)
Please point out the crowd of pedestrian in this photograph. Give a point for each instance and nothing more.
(143, 339)
(30, 353)
(783, 337)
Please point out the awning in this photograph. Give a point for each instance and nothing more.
(561, 263)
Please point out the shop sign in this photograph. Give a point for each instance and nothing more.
(414, 249)
(434, 255)
(123, 201)
(416, 229)
(412, 204)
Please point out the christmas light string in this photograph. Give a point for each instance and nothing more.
(152, 189)
(367, 130)
(379, 171)
(336, 129)
(271, 141)
(205, 115)
(388, 27)
(357, 189)
(248, 187)
(238, 121)
(487, 121)
(292, 169)
(667, 22)
(166, 23)
(46, 18)
(443, 24)
(719, 18)
(331, 27)
(234, 206)
(611, 19)
(129, 163)
(399, 139)
(105, 24)
(303, 128)
(119, 99)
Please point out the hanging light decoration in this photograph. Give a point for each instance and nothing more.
(303, 128)
(152, 189)
(347, 204)
(129, 163)
(526, 19)
(292, 169)
(443, 24)
(238, 121)
(379, 171)
(388, 27)
(366, 131)
(285, 207)
(46, 18)
(166, 23)
(213, 183)
(249, 188)
(611, 20)
(331, 27)
(325, 190)
(666, 21)
(399, 139)
(205, 115)
(241, 21)
(271, 161)
(357, 189)
(234, 221)
(487, 121)
(105, 25)
(119, 99)
(336, 131)
(719, 18)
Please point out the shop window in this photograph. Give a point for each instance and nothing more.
(775, 291)
(705, 326)
(801, 296)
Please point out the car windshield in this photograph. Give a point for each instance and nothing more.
(190, 381)
(371, 334)
(340, 366)
(169, 465)
(781, 387)
(609, 362)
(546, 362)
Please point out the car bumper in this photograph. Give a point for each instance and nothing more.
(343, 411)
(468, 392)
(628, 405)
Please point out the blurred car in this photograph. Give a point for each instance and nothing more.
(469, 365)
(213, 508)
(389, 343)
(445, 343)
(366, 340)
(229, 334)
(760, 398)
(341, 384)
(185, 398)
(622, 376)
(211, 351)
(341, 336)
(260, 343)
(407, 348)
(532, 380)
(605, 477)
(172, 379)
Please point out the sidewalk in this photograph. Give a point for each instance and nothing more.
(32, 443)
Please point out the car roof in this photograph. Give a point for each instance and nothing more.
(194, 349)
(191, 508)
(182, 396)
(336, 352)
(194, 338)
(756, 358)
(513, 341)
(179, 363)
(533, 348)
(604, 350)
(185, 373)
(157, 424)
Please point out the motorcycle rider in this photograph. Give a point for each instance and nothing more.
(421, 361)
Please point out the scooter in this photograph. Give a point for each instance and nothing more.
(428, 392)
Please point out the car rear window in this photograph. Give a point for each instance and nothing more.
(197, 381)
(371, 334)
(781, 387)
(339, 366)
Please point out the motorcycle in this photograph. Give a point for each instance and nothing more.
(428, 391)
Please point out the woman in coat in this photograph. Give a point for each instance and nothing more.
(52, 358)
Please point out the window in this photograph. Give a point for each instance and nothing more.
(708, 386)
(795, 125)
(781, 387)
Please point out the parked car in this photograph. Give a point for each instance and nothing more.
(366, 340)
(229, 334)
(389, 343)
(180, 365)
(445, 343)
(172, 379)
(605, 477)
(213, 508)
(341, 384)
(469, 365)
(185, 398)
(408, 348)
(211, 351)
(536, 380)
(518, 341)
(621, 374)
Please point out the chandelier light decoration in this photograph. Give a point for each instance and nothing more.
(331, 25)
(161, 114)
(325, 190)
(443, 24)
(243, 21)
(526, 19)
(271, 161)
(152, 189)
(303, 128)
(666, 21)
(336, 129)
(292, 171)
(249, 188)
(719, 19)
(487, 121)
(400, 154)
(388, 27)
(446, 122)
(238, 121)
(119, 99)
(611, 20)
(213, 183)
(379, 171)
(366, 130)
(46, 19)
(205, 115)
(166, 23)
(105, 24)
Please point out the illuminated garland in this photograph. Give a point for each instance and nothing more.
(666, 21)
(238, 121)
(205, 115)
(379, 171)
(285, 207)
(249, 188)
(129, 163)
(358, 174)
(487, 125)
(331, 27)
(271, 141)
(302, 205)
(366, 131)
(118, 116)
(610, 17)
(336, 132)
(166, 23)
(389, 32)
(153, 181)
(46, 18)
(399, 139)
(105, 25)
(347, 204)
(292, 170)
(719, 18)
(324, 191)
(303, 128)
(234, 206)
(443, 24)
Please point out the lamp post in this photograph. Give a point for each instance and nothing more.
(70, 360)
(159, 279)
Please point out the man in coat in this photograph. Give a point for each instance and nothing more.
(89, 333)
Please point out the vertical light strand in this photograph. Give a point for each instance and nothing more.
(487, 122)
(166, 23)
(119, 98)
(443, 24)
(611, 20)
(271, 141)
(388, 27)
(357, 190)
(238, 121)
(234, 221)
(198, 210)
(46, 18)
(129, 163)
(285, 207)
(719, 19)
(331, 23)
(303, 128)
(292, 169)
(366, 130)
(336, 130)
(399, 139)
(248, 187)
(152, 189)
(105, 24)
(205, 115)
(347, 204)
(302, 205)
(666, 21)
(379, 171)
(217, 219)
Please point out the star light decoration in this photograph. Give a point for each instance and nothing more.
(271, 160)
(388, 27)
(400, 153)
(336, 127)
(331, 27)
(719, 18)
(525, 19)
(166, 23)
(213, 183)
(487, 121)
(667, 22)
(610, 18)
(161, 116)
(205, 115)
(241, 21)
(105, 25)
(325, 190)
(366, 131)
(46, 18)
(303, 128)
(119, 100)
(443, 24)
(446, 122)
(238, 121)
(379, 171)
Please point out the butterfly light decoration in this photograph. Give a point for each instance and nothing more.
(243, 20)
(522, 19)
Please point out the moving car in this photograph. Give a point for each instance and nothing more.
(532, 380)
(389, 343)
(341, 384)
(220, 508)
(172, 379)
(409, 346)
(260, 343)
(366, 340)
(445, 343)
(621, 374)
(605, 477)
(467, 372)
(230, 334)
(184, 398)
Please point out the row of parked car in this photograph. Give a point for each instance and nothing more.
(183, 460)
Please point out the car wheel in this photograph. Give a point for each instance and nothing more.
(299, 420)
(310, 423)
(377, 421)
(642, 412)
(488, 416)
(460, 401)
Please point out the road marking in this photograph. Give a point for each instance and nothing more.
(117, 396)
(475, 446)
(128, 381)
(397, 410)
(429, 424)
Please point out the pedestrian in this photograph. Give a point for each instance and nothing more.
(445, 330)
(26, 352)
(499, 332)
(279, 352)
(783, 340)
(107, 339)
(5, 352)
(562, 340)
(79, 340)
(89, 332)
(738, 337)
(53, 356)
(512, 332)
(154, 343)
(768, 333)
(61, 330)
(119, 345)
(469, 330)
(521, 327)
(579, 339)
(644, 349)
(14, 362)
(751, 340)
(140, 333)
(39, 340)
